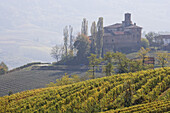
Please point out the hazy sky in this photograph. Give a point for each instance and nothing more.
(53, 15)
(29, 28)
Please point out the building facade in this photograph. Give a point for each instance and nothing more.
(123, 37)
(166, 41)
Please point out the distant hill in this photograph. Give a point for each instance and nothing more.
(96, 95)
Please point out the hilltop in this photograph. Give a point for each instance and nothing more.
(102, 94)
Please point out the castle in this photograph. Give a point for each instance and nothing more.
(123, 37)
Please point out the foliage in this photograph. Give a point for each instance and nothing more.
(144, 43)
(95, 95)
(10, 93)
(3, 68)
(108, 68)
(122, 62)
(154, 40)
(66, 35)
(65, 80)
(163, 58)
(142, 53)
(2, 64)
(150, 37)
(84, 27)
(93, 48)
(153, 107)
(71, 40)
(128, 94)
(93, 62)
(82, 44)
(100, 34)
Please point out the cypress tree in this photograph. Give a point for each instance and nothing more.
(93, 38)
(100, 33)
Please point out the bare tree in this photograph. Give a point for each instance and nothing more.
(56, 52)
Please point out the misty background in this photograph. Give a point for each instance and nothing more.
(29, 28)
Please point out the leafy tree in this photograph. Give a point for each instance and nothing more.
(162, 58)
(56, 52)
(151, 37)
(144, 43)
(93, 38)
(66, 35)
(93, 62)
(108, 68)
(82, 44)
(134, 66)
(99, 40)
(142, 53)
(2, 70)
(2, 64)
(84, 27)
(10, 93)
(122, 62)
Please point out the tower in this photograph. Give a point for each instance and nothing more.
(127, 22)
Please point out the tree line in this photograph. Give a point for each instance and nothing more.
(78, 48)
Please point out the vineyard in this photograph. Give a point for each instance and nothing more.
(153, 107)
(130, 91)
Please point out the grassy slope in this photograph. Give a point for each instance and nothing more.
(96, 95)
(26, 79)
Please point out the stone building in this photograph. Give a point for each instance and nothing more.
(123, 37)
(166, 41)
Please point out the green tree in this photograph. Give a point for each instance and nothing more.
(93, 62)
(144, 43)
(142, 53)
(93, 38)
(84, 27)
(82, 44)
(66, 35)
(108, 68)
(10, 93)
(162, 58)
(4, 66)
(2, 70)
(134, 66)
(151, 38)
(100, 34)
(122, 62)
